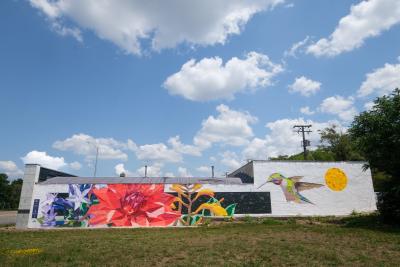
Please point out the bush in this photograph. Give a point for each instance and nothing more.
(269, 221)
(389, 205)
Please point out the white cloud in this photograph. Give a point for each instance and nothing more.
(39, 157)
(369, 105)
(51, 9)
(296, 47)
(256, 149)
(230, 127)
(177, 145)
(183, 172)
(66, 31)
(210, 79)
(307, 111)
(366, 19)
(75, 165)
(289, 5)
(231, 160)
(204, 169)
(169, 174)
(83, 144)
(152, 170)
(381, 81)
(109, 148)
(120, 168)
(282, 140)
(164, 24)
(304, 86)
(158, 153)
(10, 168)
(338, 105)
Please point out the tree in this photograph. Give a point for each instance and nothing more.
(9, 192)
(377, 134)
(339, 144)
(15, 193)
(4, 191)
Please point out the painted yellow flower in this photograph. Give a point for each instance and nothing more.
(336, 179)
(28, 251)
(215, 208)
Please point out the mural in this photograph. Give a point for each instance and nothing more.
(336, 179)
(292, 187)
(134, 205)
(187, 197)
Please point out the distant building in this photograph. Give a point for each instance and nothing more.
(259, 188)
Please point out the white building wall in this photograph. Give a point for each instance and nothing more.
(357, 196)
(40, 192)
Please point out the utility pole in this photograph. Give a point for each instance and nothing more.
(95, 163)
(97, 156)
(305, 143)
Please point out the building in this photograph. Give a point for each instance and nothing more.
(259, 188)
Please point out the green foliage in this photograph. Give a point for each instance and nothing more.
(9, 192)
(389, 205)
(377, 134)
(339, 145)
(4, 191)
(270, 221)
(291, 221)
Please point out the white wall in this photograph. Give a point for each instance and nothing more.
(40, 192)
(357, 196)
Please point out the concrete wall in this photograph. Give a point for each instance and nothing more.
(31, 176)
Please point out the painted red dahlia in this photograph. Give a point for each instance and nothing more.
(133, 205)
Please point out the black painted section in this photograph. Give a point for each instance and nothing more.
(245, 173)
(247, 202)
(246, 179)
(23, 211)
(35, 209)
(45, 174)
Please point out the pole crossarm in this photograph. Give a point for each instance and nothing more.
(303, 129)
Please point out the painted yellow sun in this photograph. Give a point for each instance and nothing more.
(336, 179)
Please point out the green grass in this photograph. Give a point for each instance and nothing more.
(306, 242)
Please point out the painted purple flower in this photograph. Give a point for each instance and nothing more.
(49, 218)
(79, 195)
(47, 204)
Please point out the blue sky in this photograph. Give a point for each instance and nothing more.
(225, 77)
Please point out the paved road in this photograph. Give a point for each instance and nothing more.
(8, 217)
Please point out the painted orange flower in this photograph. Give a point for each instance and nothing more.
(133, 205)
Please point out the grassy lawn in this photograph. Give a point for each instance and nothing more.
(253, 243)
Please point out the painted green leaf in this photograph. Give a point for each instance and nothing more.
(194, 219)
(231, 209)
(40, 220)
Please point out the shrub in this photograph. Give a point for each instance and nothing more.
(389, 206)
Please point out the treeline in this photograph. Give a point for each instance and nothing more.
(374, 137)
(10, 192)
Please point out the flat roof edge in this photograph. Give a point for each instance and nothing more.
(141, 180)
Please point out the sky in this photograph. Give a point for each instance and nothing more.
(183, 85)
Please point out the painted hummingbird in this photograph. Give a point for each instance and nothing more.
(291, 187)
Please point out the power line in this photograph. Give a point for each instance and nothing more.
(305, 143)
